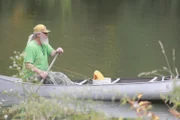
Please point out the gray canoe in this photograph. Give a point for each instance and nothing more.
(151, 88)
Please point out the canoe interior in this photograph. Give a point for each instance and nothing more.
(132, 80)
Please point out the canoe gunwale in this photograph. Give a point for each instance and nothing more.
(19, 81)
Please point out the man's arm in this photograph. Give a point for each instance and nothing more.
(31, 67)
(53, 53)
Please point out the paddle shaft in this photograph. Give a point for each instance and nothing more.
(42, 80)
(54, 82)
(52, 62)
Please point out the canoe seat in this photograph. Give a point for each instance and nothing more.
(82, 82)
(154, 79)
(115, 81)
(162, 78)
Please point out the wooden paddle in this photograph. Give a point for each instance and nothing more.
(54, 82)
(42, 80)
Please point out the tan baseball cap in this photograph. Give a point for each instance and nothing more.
(41, 28)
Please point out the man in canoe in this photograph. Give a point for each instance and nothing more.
(36, 55)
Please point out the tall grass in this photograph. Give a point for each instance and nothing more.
(172, 71)
(174, 97)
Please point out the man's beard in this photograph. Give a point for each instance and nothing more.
(44, 41)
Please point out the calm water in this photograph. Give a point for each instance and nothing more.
(119, 38)
(115, 109)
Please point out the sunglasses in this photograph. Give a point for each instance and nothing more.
(45, 33)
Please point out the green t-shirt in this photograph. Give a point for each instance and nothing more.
(37, 55)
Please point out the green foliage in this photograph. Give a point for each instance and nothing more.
(37, 108)
(17, 63)
(174, 97)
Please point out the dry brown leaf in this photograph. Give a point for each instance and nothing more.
(140, 109)
(131, 102)
(144, 103)
(152, 116)
(155, 117)
(139, 96)
(174, 112)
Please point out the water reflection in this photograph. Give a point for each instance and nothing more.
(119, 38)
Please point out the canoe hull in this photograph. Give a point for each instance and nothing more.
(150, 90)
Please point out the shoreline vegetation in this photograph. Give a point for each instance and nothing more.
(39, 108)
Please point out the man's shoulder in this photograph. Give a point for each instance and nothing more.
(31, 44)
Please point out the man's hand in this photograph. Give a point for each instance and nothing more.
(31, 67)
(43, 74)
(59, 50)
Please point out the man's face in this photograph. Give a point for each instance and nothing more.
(44, 38)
